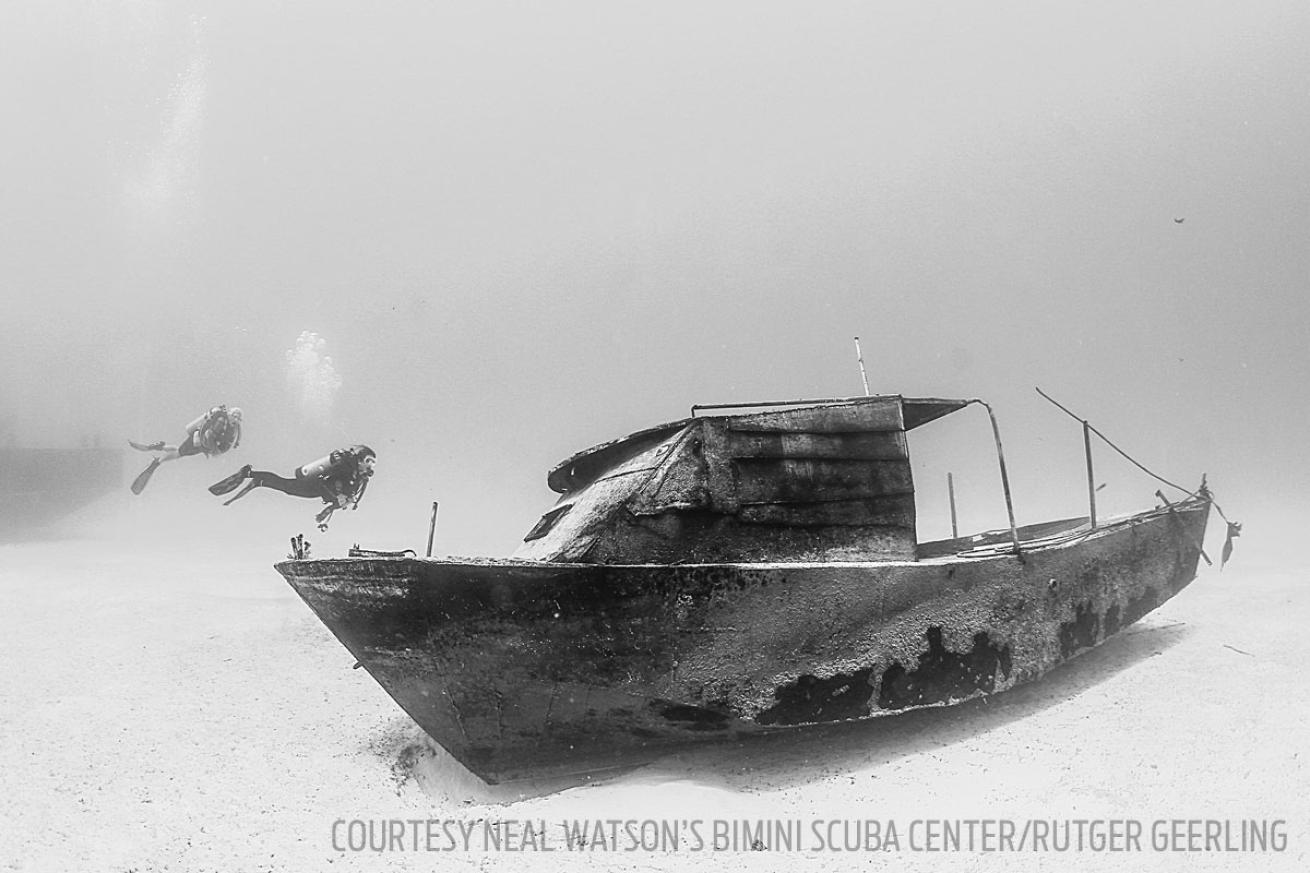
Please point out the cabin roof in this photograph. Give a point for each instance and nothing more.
(921, 410)
(582, 467)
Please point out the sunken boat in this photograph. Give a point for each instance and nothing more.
(736, 573)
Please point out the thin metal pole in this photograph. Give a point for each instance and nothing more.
(1005, 477)
(859, 356)
(950, 489)
(1091, 477)
(1129, 458)
(432, 528)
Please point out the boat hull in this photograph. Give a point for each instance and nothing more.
(526, 669)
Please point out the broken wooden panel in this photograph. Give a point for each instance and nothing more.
(580, 469)
(682, 480)
(566, 532)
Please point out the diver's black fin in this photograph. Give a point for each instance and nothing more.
(140, 482)
(223, 486)
(250, 486)
(153, 447)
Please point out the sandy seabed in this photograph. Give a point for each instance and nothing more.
(168, 703)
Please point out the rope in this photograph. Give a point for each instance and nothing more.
(1134, 461)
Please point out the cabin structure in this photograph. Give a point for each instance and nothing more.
(814, 481)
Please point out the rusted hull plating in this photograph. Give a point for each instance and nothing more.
(525, 669)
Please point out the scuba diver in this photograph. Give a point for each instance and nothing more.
(339, 479)
(214, 433)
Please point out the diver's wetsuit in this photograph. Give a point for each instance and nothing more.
(191, 446)
(216, 433)
(311, 486)
(326, 486)
(339, 485)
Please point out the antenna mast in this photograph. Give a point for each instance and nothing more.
(859, 356)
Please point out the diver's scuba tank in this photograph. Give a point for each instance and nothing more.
(201, 419)
(319, 467)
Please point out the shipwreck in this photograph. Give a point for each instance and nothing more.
(745, 570)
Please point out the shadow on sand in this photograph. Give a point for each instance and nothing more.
(796, 756)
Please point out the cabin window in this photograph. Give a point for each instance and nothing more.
(547, 521)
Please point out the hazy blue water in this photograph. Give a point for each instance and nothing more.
(519, 232)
